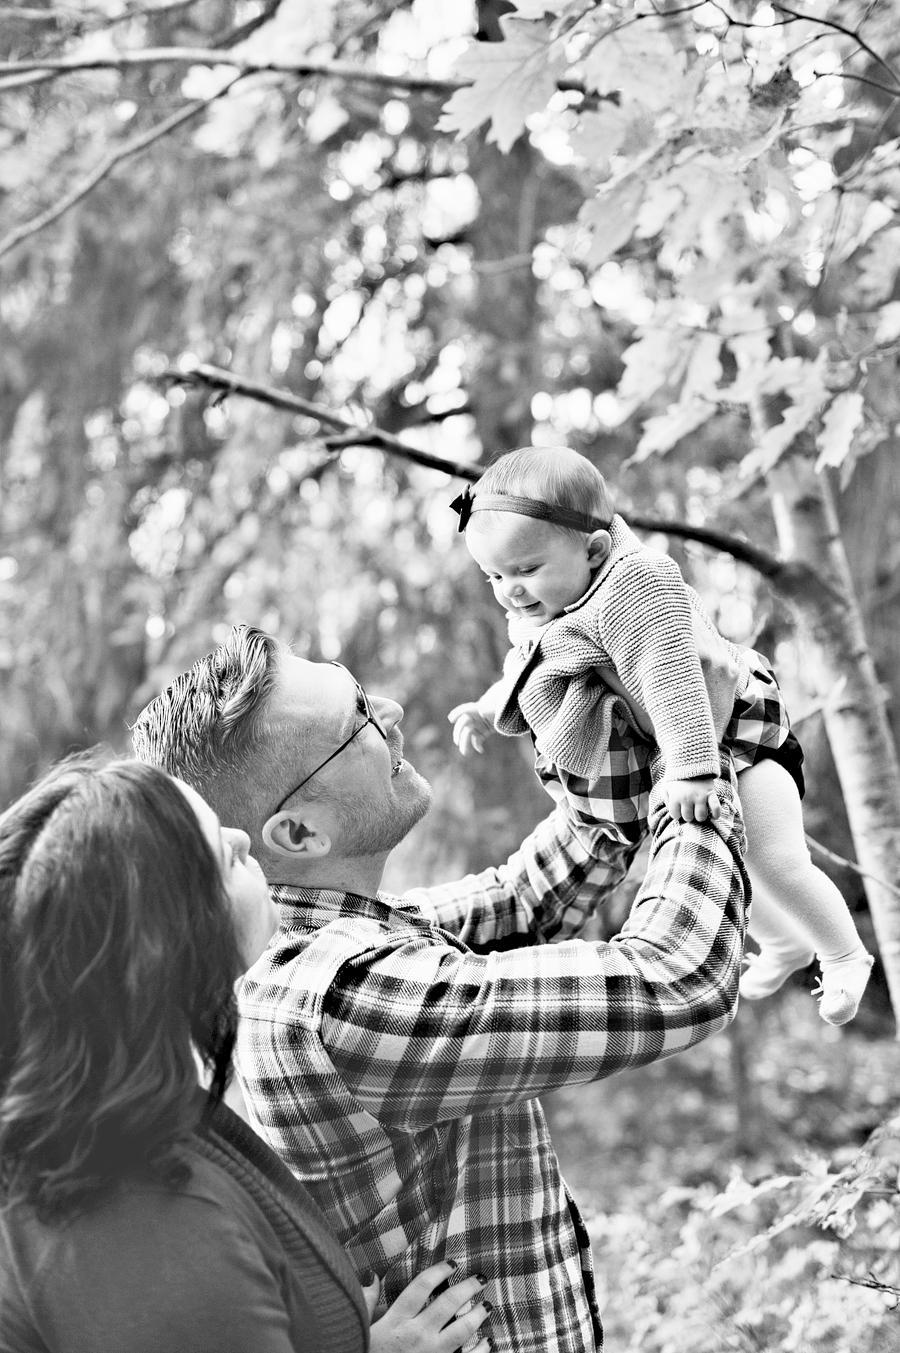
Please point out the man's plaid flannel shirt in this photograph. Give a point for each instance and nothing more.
(392, 1051)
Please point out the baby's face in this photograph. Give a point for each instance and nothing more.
(535, 568)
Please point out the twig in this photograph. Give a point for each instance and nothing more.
(778, 571)
(871, 1281)
(849, 864)
(489, 267)
(210, 56)
(848, 33)
(137, 143)
(215, 378)
(769, 565)
(105, 167)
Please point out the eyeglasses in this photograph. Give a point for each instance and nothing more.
(371, 718)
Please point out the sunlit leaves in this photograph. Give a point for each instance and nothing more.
(510, 80)
(637, 59)
(698, 402)
(839, 424)
(806, 385)
(612, 216)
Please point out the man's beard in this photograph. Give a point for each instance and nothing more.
(371, 831)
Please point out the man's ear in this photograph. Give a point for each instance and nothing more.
(291, 833)
(598, 547)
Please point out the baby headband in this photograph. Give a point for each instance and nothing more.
(467, 503)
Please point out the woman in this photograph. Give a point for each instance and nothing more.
(137, 1212)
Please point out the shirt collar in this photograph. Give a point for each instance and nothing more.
(310, 908)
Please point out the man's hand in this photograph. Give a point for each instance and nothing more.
(692, 800)
(470, 727)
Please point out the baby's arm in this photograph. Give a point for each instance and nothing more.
(647, 628)
(474, 721)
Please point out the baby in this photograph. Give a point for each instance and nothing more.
(606, 640)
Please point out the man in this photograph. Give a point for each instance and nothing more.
(392, 1050)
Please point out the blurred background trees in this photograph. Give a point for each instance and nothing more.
(665, 234)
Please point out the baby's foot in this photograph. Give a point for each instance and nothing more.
(770, 969)
(842, 984)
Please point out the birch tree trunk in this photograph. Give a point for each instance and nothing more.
(853, 700)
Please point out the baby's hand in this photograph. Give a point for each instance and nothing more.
(470, 727)
(692, 800)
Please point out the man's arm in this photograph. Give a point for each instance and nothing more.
(426, 1033)
(549, 886)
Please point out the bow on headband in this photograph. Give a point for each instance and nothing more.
(468, 502)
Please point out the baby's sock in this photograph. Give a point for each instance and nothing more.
(842, 984)
(772, 966)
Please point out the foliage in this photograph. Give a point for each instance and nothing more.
(736, 143)
(693, 214)
(698, 1251)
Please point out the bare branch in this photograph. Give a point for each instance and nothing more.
(848, 33)
(38, 15)
(786, 576)
(84, 16)
(215, 378)
(778, 571)
(848, 864)
(209, 56)
(137, 143)
(106, 165)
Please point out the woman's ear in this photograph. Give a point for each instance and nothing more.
(291, 833)
(598, 547)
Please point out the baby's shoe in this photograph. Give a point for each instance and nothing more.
(770, 968)
(842, 984)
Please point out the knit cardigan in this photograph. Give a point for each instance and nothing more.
(639, 619)
(330, 1285)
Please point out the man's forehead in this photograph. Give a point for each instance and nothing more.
(310, 691)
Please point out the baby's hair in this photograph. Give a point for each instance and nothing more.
(555, 475)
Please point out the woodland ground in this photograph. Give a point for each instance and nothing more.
(644, 1150)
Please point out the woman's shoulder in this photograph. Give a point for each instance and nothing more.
(203, 1264)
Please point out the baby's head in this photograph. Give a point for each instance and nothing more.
(540, 554)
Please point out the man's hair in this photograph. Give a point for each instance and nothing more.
(212, 728)
(556, 475)
(117, 950)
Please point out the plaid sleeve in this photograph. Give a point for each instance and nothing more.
(425, 1033)
(549, 886)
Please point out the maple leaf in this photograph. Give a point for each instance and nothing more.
(808, 393)
(639, 60)
(839, 423)
(510, 80)
(536, 9)
(666, 430)
(658, 358)
(611, 216)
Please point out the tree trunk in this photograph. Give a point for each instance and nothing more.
(853, 700)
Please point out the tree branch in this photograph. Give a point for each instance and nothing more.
(848, 864)
(209, 56)
(105, 167)
(785, 576)
(137, 143)
(215, 378)
(848, 33)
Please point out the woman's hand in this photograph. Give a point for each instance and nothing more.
(417, 1324)
(470, 727)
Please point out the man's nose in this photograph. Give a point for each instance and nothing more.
(388, 711)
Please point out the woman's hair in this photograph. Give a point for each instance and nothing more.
(551, 474)
(117, 951)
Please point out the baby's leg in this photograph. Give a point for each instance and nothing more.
(783, 947)
(779, 865)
